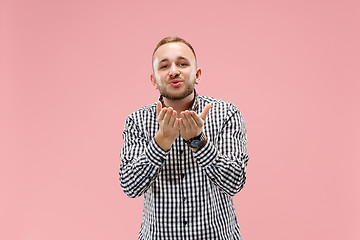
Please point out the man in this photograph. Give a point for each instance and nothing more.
(186, 154)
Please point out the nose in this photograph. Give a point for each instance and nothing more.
(173, 71)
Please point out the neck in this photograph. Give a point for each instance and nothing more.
(180, 105)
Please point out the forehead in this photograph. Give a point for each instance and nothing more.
(173, 50)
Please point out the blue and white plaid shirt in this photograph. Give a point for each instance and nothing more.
(187, 195)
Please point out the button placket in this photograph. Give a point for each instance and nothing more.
(184, 200)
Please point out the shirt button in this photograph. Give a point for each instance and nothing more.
(181, 152)
(182, 175)
(185, 222)
(185, 198)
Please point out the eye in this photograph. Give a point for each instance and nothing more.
(164, 66)
(183, 64)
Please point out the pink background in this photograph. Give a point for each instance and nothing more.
(71, 71)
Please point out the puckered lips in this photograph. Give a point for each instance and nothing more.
(176, 83)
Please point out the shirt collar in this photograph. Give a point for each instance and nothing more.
(194, 106)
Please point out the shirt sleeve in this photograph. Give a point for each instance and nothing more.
(140, 160)
(225, 163)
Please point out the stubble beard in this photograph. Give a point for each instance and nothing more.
(188, 90)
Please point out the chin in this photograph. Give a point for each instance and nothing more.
(179, 96)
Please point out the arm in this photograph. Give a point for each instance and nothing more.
(225, 164)
(141, 160)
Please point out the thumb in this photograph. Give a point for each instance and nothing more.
(205, 111)
(158, 107)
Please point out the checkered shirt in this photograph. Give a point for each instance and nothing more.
(187, 195)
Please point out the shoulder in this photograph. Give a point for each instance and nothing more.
(218, 105)
(142, 113)
(223, 112)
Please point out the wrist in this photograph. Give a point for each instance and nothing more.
(163, 141)
(197, 142)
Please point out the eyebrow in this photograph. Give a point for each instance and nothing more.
(179, 58)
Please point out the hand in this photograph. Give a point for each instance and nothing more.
(191, 124)
(168, 126)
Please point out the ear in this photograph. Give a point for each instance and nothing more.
(153, 81)
(198, 75)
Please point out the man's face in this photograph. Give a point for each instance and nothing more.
(175, 72)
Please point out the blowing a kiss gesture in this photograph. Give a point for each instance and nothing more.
(188, 126)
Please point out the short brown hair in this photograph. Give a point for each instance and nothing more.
(171, 39)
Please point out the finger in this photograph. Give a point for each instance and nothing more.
(181, 125)
(177, 123)
(205, 111)
(198, 120)
(185, 120)
(158, 108)
(190, 119)
(162, 114)
(172, 118)
(168, 115)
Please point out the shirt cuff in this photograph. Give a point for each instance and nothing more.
(155, 153)
(206, 155)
